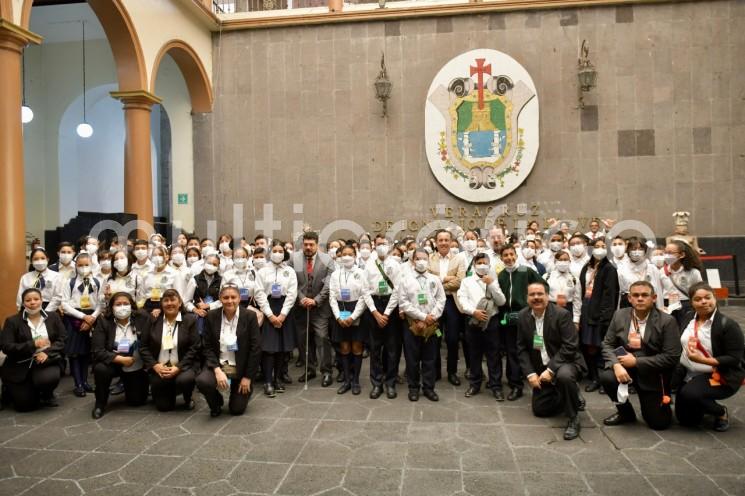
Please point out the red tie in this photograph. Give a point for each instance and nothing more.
(309, 266)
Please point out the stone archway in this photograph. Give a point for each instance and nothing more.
(192, 69)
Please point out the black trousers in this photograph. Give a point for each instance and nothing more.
(507, 345)
(420, 360)
(135, 384)
(561, 395)
(485, 343)
(697, 398)
(40, 382)
(655, 414)
(451, 324)
(164, 391)
(207, 385)
(319, 344)
(385, 346)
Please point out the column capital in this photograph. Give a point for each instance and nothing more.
(14, 37)
(141, 99)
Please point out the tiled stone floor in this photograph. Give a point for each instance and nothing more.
(316, 442)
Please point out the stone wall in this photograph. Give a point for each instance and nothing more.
(296, 119)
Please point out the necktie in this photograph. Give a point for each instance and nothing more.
(40, 282)
(309, 266)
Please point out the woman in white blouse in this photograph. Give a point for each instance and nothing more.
(638, 268)
(157, 281)
(41, 278)
(681, 271)
(563, 288)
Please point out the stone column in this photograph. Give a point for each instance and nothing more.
(13, 39)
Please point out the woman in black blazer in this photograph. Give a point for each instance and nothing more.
(598, 281)
(232, 352)
(116, 352)
(711, 366)
(33, 341)
(170, 350)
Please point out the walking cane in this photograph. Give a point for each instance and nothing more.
(307, 332)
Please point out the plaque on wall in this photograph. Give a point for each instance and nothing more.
(481, 125)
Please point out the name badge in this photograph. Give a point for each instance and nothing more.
(635, 340)
(123, 346)
(345, 314)
(244, 294)
(276, 290)
(382, 287)
(231, 342)
(168, 342)
(233, 347)
(155, 294)
(85, 301)
(537, 342)
(346, 294)
(208, 299)
(421, 298)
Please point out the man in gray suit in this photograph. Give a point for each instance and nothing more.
(313, 270)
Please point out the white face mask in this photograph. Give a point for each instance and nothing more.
(347, 261)
(555, 246)
(636, 255)
(382, 250)
(562, 266)
(277, 257)
(409, 254)
(91, 249)
(528, 253)
(332, 252)
(669, 259)
(365, 253)
(224, 246)
(530, 237)
(428, 249)
(192, 260)
(259, 263)
(209, 268)
(510, 268)
(105, 265)
(578, 250)
(157, 260)
(122, 311)
(40, 265)
(421, 266)
(34, 312)
(469, 245)
(121, 264)
(659, 260)
(482, 269)
(140, 254)
(208, 251)
(84, 271)
(240, 263)
(599, 253)
(65, 258)
(178, 259)
(618, 250)
(454, 251)
(396, 259)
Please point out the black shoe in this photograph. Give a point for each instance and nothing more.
(327, 380)
(269, 390)
(453, 379)
(413, 395)
(344, 388)
(573, 428)
(340, 377)
(582, 403)
(593, 386)
(285, 378)
(311, 376)
(189, 405)
(498, 395)
(79, 392)
(431, 395)
(97, 413)
(472, 391)
(618, 419)
(216, 413)
(601, 390)
(279, 387)
(117, 388)
(90, 389)
(721, 424)
(356, 389)
(515, 394)
(390, 392)
(50, 402)
(376, 392)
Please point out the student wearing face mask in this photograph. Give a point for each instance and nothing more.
(529, 257)
(116, 353)
(64, 265)
(422, 300)
(562, 285)
(638, 268)
(33, 341)
(548, 257)
(224, 244)
(91, 248)
(194, 261)
(681, 270)
(480, 298)
(104, 266)
(181, 240)
(243, 276)
(177, 261)
(578, 256)
(618, 250)
(142, 264)
(41, 278)
(155, 283)
(599, 292)
(454, 247)
(366, 256)
(276, 292)
(202, 291)
(470, 245)
(82, 301)
(122, 279)
(331, 249)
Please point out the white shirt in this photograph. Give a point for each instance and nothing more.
(228, 336)
(127, 332)
(375, 282)
(426, 284)
(243, 278)
(144, 269)
(276, 274)
(643, 270)
(539, 332)
(72, 300)
(67, 271)
(30, 280)
(473, 289)
(641, 323)
(465, 258)
(576, 264)
(704, 337)
(154, 284)
(354, 281)
(191, 288)
(126, 284)
(678, 278)
(39, 331)
(444, 266)
(168, 330)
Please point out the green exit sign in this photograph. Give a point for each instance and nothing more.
(183, 198)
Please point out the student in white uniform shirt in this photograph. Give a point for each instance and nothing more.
(548, 257)
(194, 260)
(82, 300)
(142, 264)
(386, 338)
(470, 247)
(65, 265)
(104, 266)
(366, 255)
(480, 296)
(177, 260)
(202, 292)
(638, 268)
(529, 257)
(681, 271)
(154, 283)
(122, 279)
(276, 292)
(243, 276)
(422, 299)
(578, 256)
(91, 248)
(562, 285)
(348, 289)
(618, 250)
(41, 278)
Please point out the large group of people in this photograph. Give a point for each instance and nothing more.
(227, 316)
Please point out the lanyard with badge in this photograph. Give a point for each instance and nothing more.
(157, 291)
(85, 299)
(635, 336)
(716, 378)
(169, 332)
(276, 286)
(421, 297)
(124, 345)
(231, 338)
(243, 289)
(345, 295)
(538, 336)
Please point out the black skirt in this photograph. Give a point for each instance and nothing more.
(275, 340)
(359, 332)
(78, 342)
(589, 334)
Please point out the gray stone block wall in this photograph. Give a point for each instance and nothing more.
(296, 119)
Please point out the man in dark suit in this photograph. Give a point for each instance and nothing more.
(313, 270)
(548, 348)
(642, 346)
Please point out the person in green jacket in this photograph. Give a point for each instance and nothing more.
(513, 281)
